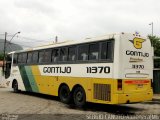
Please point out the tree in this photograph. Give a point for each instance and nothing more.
(1, 56)
(155, 41)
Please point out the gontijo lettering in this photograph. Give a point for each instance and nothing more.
(137, 53)
(57, 69)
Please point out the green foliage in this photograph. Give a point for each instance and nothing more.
(1, 56)
(155, 41)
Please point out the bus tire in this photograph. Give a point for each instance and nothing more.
(79, 96)
(15, 86)
(64, 94)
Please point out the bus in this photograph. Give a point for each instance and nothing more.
(110, 69)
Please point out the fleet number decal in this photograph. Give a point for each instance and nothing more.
(138, 66)
(99, 69)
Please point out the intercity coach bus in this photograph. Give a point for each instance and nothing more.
(111, 69)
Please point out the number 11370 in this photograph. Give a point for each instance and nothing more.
(99, 69)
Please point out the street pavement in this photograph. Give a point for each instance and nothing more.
(30, 106)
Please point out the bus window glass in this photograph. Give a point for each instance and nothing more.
(41, 57)
(35, 57)
(83, 52)
(24, 58)
(29, 59)
(72, 53)
(103, 50)
(20, 58)
(63, 54)
(15, 59)
(47, 56)
(94, 51)
(55, 55)
(109, 50)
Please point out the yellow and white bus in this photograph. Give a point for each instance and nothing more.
(111, 69)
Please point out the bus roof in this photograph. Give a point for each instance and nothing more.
(71, 42)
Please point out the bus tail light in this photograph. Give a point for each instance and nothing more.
(119, 85)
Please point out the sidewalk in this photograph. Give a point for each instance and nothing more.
(156, 96)
(2, 82)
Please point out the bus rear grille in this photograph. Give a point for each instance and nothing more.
(102, 92)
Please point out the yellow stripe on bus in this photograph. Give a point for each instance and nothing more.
(45, 83)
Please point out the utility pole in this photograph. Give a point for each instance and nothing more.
(152, 27)
(56, 39)
(4, 53)
(152, 33)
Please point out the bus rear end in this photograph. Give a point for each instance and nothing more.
(135, 69)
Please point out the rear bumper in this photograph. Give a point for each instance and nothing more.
(134, 97)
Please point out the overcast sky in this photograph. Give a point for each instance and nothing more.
(77, 19)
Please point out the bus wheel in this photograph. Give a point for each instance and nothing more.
(64, 94)
(15, 86)
(79, 97)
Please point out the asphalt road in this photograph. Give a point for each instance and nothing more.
(33, 106)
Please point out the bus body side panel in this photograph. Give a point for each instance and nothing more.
(15, 75)
(43, 79)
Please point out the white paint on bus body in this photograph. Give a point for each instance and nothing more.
(96, 70)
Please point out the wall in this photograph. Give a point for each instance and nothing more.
(2, 82)
(156, 81)
(0, 72)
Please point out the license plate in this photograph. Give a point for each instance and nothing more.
(139, 85)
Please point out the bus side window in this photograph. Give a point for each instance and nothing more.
(20, 57)
(72, 53)
(63, 54)
(94, 51)
(41, 56)
(24, 58)
(55, 55)
(47, 56)
(106, 50)
(83, 52)
(110, 50)
(103, 50)
(29, 59)
(15, 59)
(35, 57)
